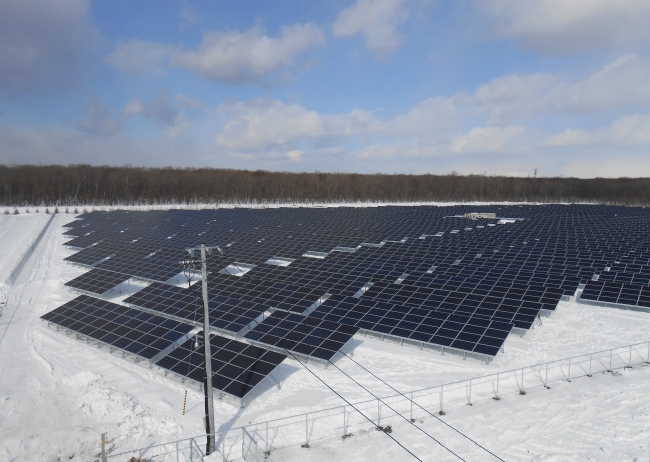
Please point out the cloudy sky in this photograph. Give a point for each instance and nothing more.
(406, 86)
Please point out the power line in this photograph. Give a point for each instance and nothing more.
(351, 405)
(425, 410)
(399, 414)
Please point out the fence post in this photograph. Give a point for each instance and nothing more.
(378, 413)
(442, 391)
(411, 406)
(546, 379)
(497, 397)
(345, 425)
(103, 448)
(243, 442)
(589, 365)
(610, 361)
(223, 446)
(266, 443)
(630, 355)
(177, 456)
(470, 392)
(307, 425)
(569, 374)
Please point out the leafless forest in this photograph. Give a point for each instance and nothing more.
(54, 185)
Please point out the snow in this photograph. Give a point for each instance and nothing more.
(16, 235)
(58, 394)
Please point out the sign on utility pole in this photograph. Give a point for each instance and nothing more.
(207, 385)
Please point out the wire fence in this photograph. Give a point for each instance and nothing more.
(427, 403)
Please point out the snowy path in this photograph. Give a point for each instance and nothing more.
(58, 394)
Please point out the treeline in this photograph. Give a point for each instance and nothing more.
(54, 185)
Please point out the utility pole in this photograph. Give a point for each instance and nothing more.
(189, 269)
(207, 382)
(535, 173)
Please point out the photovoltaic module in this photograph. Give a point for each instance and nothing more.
(305, 280)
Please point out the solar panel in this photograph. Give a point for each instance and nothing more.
(393, 260)
(185, 304)
(309, 336)
(140, 334)
(97, 281)
(456, 329)
(236, 367)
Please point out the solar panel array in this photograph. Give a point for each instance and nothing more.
(236, 366)
(132, 331)
(97, 281)
(422, 274)
(183, 303)
(304, 335)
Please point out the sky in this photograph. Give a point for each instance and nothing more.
(496, 87)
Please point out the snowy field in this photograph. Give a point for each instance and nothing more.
(57, 394)
(16, 234)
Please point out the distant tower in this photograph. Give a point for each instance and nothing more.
(535, 173)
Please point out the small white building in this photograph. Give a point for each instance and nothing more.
(480, 215)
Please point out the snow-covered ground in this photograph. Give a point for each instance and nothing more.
(58, 394)
(16, 235)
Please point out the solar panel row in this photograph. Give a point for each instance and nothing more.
(236, 367)
(307, 336)
(132, 331)
(404, 258)
(617, 292)
(225, 313)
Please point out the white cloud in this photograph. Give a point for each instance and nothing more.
(265, 130)
(100, 120)
(570, 137)
(189, 16)
(19, 145)
(509, 97)
(264, 124)
(188, 102)
(487, 139)
(136, 56)
(295, 155)
(621, 83)
(376, 19)
(428, 118)
(42, 42)
(159, 112)
(626, 131)
(182, 124)
(624, 81)
(156, 111)
(249, 57)
(399, 150)
(571, 26)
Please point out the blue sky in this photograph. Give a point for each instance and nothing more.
(392, 86)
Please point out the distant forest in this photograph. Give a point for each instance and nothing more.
(54, 185)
